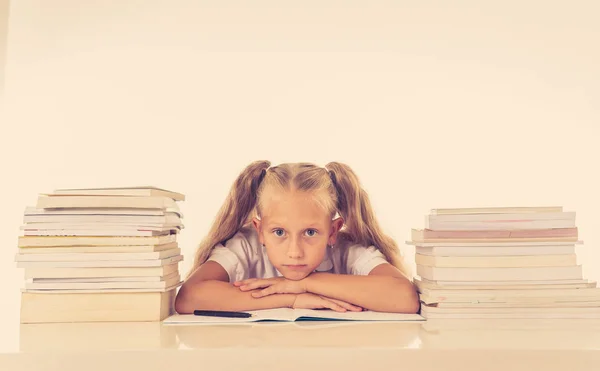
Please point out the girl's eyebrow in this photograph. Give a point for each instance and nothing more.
(314, 224)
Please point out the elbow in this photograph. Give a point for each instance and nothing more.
(407, 298)
(186, 300)
(182, 302)
(194, 296)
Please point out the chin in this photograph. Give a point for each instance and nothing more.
(295, 276)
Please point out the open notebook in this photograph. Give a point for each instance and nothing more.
(292, 315)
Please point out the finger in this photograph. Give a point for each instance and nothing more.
(346, 305)
(244, 282)
(259, 284)
(333, 306)
(266, 292)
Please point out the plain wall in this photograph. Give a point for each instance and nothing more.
(433, 105)
(3, 36)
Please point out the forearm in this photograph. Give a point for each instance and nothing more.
(219, 295)
(374, 292)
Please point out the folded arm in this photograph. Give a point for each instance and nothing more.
(208, 288)
(384, 289)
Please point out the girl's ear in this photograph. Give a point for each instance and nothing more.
(257, 223)
(336, 224)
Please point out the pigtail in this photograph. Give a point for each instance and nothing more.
(354, 207)
(235, 211)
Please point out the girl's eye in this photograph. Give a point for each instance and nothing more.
(279, 234)
(311, 232)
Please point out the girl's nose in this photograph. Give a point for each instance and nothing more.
(295, 250)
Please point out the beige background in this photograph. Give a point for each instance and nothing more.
(433, 105)
(3, 36)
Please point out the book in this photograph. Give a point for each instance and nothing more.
(32, 211)
(522, 261)
(62, 241)
(158, 262)
(497, 210)
(435, 273)
(120, 191)
(491, 251)
(292, 315)
(98, 249)
(106, 255)
(45, 271)
(429, 234)
(96, 306)
(133, 202)
(502, 262)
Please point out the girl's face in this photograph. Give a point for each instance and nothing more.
(296, 231)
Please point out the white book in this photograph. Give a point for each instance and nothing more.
(500, 274)
(97, 249)
(497, 261)
(291, 315)
(32, 210)
(478, 243)
(497, 210)
(517, 297)
(494, 217)
(167, 218)
(140, 191)
(46, 201)
(485, 251)
(101, 226)
(423, 284)
(572, 312)
(100, 291)
(44, 270)
(101, 263)
(64, 257)
(104, 279)
(76, 286)
(504, 225)
(100, 232)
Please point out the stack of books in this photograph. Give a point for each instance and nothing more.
(502, 262)
(100, 255)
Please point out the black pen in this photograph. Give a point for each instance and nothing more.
(220, 313)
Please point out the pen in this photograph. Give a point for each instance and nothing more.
(219, 313)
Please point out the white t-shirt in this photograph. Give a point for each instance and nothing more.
(243, 257)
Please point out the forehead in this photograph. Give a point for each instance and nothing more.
(292, 207)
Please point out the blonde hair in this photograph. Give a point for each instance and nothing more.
(344, 196)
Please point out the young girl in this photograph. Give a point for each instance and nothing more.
(298, 236)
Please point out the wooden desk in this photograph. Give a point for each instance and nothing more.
(433, 345)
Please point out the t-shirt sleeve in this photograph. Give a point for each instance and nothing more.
(361, 260)
(234, 256)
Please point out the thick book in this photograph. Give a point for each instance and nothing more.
(500, 274)
(497, 210)
(522, 261)
(101, 263)
(139, 191)
(130, 202)
(495, 251)
(31, 211)
(97, 306)
(292, 315)
(428, 234)
(115, 249)
(64, 241)
(501, 217)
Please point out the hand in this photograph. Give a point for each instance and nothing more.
(269, 286)
(312, 301)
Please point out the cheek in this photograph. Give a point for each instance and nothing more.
(315, 254)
